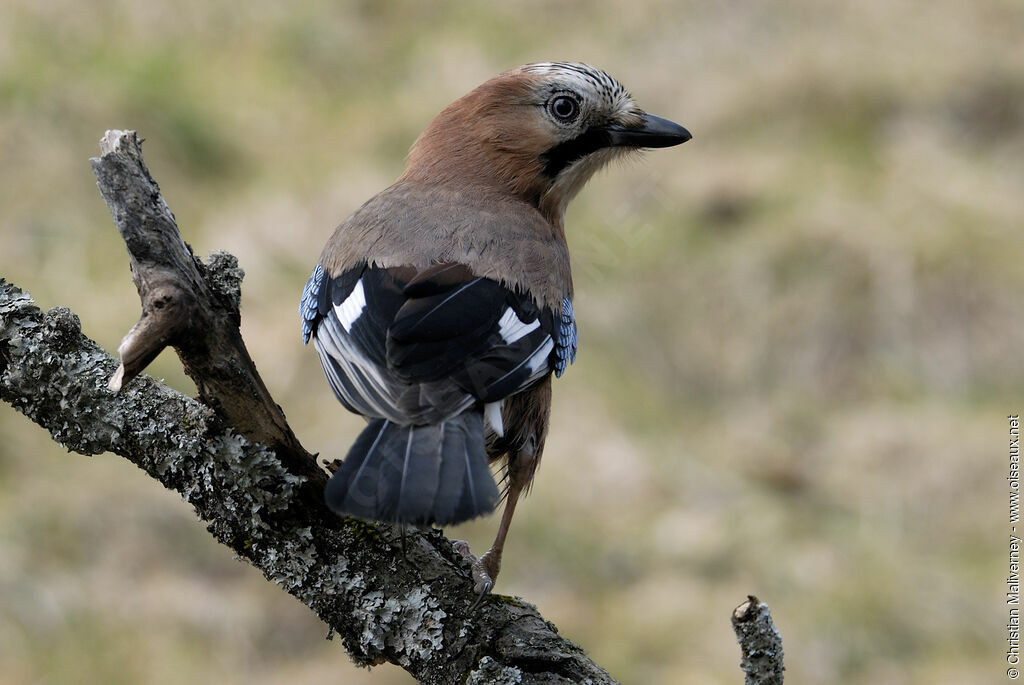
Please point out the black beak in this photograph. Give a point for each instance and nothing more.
(653, 132)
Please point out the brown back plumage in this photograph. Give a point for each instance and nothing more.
(497, 235)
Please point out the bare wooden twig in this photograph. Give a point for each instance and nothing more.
(188, 305)
(760, 642)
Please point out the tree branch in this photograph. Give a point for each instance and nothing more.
(234, 458)
(760, 642)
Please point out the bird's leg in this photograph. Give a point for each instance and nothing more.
(525, 417)
(486, 568)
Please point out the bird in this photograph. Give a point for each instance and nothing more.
(441, 309)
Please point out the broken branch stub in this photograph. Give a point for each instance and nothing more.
(187, 305)
(760, 642)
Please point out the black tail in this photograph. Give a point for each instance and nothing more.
(416, 474)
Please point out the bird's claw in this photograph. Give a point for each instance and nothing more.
(481, 594)
(483, 581)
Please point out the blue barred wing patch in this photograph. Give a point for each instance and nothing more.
(565, 345)
(310, 304)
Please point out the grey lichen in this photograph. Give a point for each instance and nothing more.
(46, 353)
(410, 626)
(291, 566)
(490, 672)
(63, 328)
(248, 478)
(225, 276)
(421, 625)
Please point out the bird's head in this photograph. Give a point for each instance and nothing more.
(539, 132)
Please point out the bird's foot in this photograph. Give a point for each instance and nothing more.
(485, 570)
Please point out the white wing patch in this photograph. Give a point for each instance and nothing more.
(349, 310)
(538, 361)
(492, 414)
(513, 328)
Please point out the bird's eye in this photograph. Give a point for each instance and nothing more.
(564, 108)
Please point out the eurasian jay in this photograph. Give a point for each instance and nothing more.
(442, 307)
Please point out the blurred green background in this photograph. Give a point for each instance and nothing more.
(801, 332)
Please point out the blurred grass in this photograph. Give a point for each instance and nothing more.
(800, 332)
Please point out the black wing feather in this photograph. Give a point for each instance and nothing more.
(418, 346)
(446, 318)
